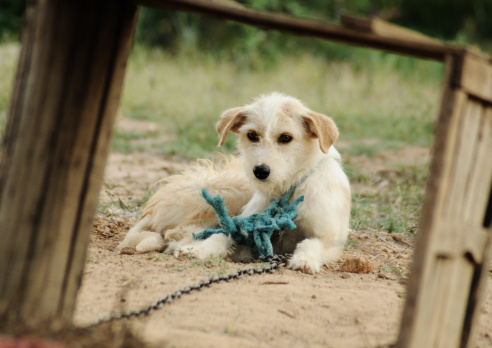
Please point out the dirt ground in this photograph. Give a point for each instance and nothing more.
(285, 309)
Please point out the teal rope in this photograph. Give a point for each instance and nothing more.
(255, 231)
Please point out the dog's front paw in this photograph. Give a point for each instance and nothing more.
(305, 263)
(192, 250)
(214, 246)
(143, 242)
(199, 251)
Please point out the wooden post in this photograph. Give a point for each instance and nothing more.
(454, 239)
(67, 89)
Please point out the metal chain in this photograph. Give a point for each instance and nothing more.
(274, 262)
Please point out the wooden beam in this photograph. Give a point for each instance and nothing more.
(396, 43)
(384, 29)
(474, 75)
(453, 243)
(66, 94)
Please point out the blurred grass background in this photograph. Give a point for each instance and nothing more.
(185, 70)
(377, 95)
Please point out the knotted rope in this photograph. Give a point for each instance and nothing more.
(256, 230)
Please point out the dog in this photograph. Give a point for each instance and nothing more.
(281, 143)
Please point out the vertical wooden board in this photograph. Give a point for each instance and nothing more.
(440, 313)
(477, 194)
(446, 141)
(442, 293)
(446, 280)
(424, 291)
(432, 280)
(128, 16)
(61, 195)
(453, 306)
(72, 88)
(15, 246)
(476, 293)
(89, 60)
(463, 158)
(453, 105)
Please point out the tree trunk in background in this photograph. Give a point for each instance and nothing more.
(66, 94)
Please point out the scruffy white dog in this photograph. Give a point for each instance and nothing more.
(280, 142)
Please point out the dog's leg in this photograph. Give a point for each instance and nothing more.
(142, 240)
(150, 241)
(256, 204)
(217, 245)
(311, 254)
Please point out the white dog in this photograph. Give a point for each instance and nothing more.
(280, 142)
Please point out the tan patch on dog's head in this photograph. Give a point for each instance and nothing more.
(321, 127)
(317, 125)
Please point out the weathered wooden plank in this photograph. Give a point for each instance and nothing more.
(474, 75)
(475, 198)
(464, 154)
(451, 246)
(477, 289)
(384, 29)
(62, 116)
(454, 241)
(453, 306)
(453, 104)
(306, 27)
(481, 209)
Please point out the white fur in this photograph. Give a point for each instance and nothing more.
(177, 210)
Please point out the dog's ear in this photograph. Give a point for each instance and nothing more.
(230, 120)
(321, 127)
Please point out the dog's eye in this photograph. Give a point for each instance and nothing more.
(285, 138)
(253, 136)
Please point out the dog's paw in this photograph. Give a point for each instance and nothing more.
(143, 242)
(152, 243)
(305, 263)
(214, 246)
(199, 251)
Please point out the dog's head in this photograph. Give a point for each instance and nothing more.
(279, 138)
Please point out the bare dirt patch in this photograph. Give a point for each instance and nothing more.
(335, 308)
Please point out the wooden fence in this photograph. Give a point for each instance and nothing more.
(61, 118)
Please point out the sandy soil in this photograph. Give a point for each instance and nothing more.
(285, 309)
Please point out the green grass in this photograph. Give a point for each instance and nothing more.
(130, 141)
(402, 272)
(350, 244)
(116, 204)
(395, 207)
(379, 102)
(379, 96)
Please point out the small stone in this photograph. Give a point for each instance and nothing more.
(357, 264)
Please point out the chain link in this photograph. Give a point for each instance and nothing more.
(274, 262)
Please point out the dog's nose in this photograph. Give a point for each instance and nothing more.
(261, 171)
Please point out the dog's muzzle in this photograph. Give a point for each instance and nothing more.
(261, 171)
